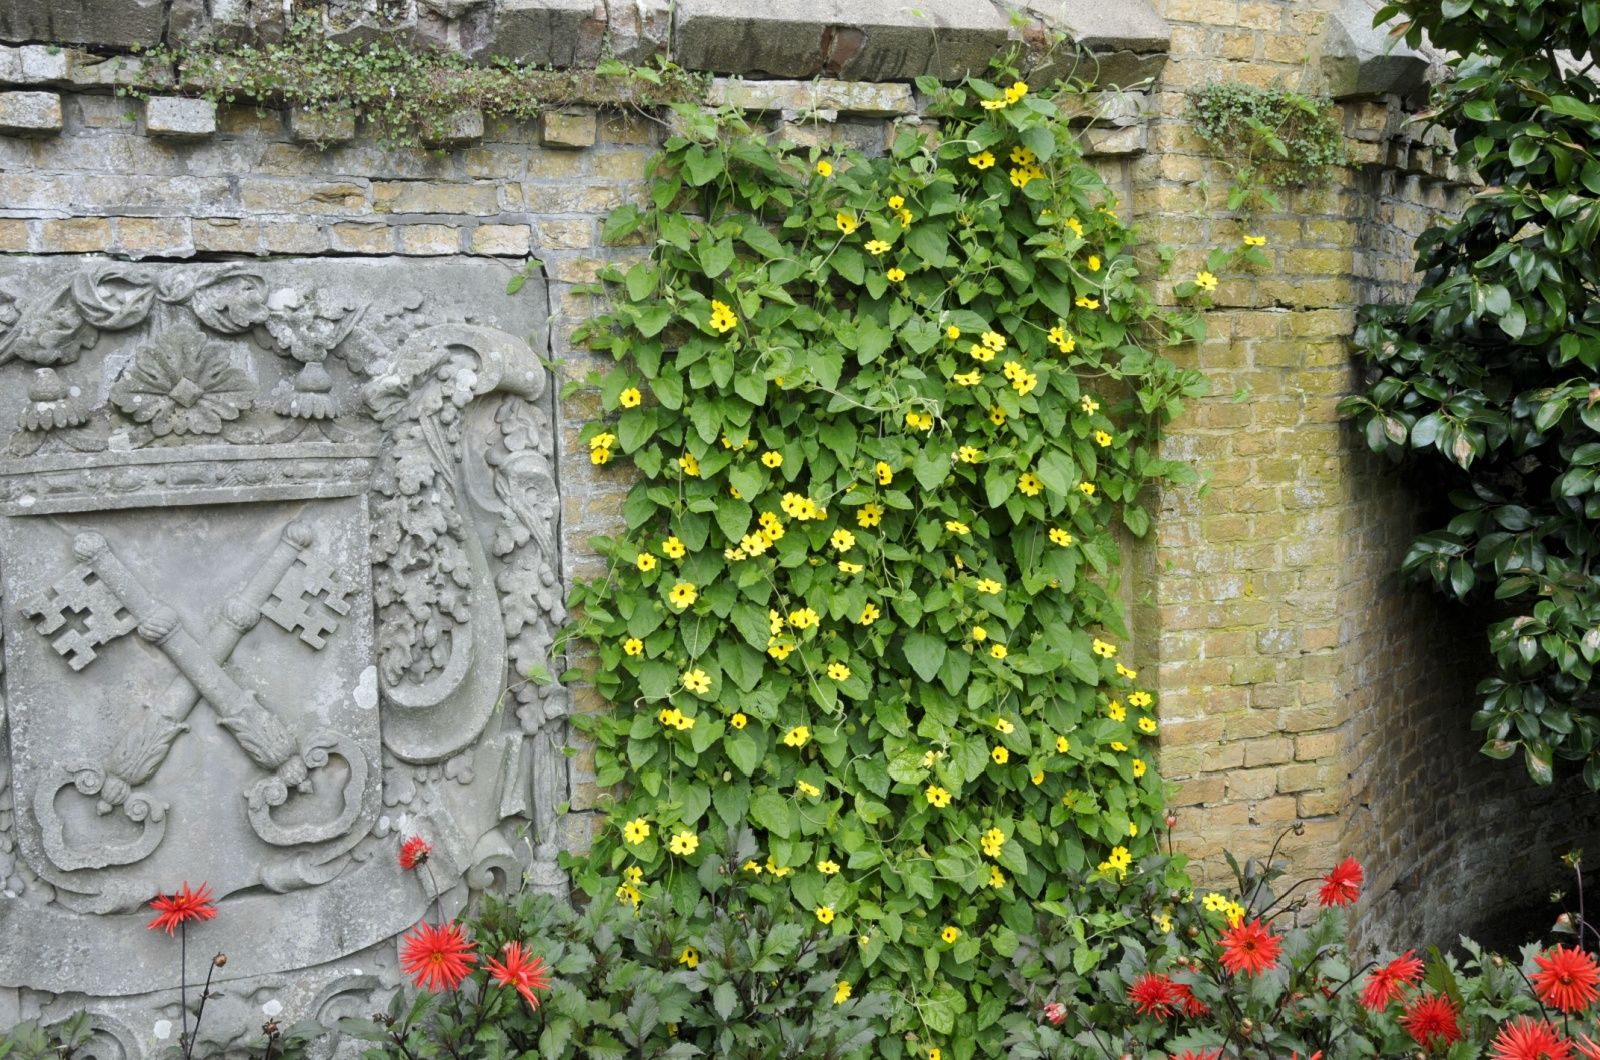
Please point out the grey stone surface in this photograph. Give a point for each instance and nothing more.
(574, 127)
(1110, 44)
(43, 63)
(823, 94)
(179, 118)
(318, 127)
(548, 32)
(858, 40)
(638, 30)
(462, 127)
(118, 23)
(273, 538)
(30, 113)
(1360, 59)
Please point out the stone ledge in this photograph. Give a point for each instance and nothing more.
(1115, 43)
(855, 98)
(1360, 59)
(30, 113)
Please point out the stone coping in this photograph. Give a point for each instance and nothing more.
(1119, 43)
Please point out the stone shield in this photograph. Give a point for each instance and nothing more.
(273, 541)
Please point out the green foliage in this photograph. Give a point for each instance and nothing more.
(889, 419)
(406, 95)
(1270, 138)
(1485, 382)
(725, 981)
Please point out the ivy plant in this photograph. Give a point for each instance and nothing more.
(1487, 382)
(889, 418)
(1268, 138)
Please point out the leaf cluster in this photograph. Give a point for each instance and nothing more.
(1486, 381)
(889, 419)
(1270, 138)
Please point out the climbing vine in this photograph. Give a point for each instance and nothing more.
(888, 418)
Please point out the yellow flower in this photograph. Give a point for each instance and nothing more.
(1162, 921)
(633, 646)
(989, 586)
(797, 736)
(842, 540)
(885, 473)
(825, 914)
(1060, 537)
(1022, 156)
(636, 831)
(876, 247)
(690, 465)
(896, 201)
(633, 874)
(1016, 91)
(841, 989)
(599, 456)
(1139, 698)
(1083, 301)
(869, 516)
(950, 933)
(1103, 649)
(846, 567)
(937, 797)
(1118, 746)
(1119, 857)
(738, 721)
(1061, 340)
(1002, 724)
(696, 681)
(683, 594)
(630, 398)
(1214, 902)
(1255, 241)
(838, 671)
(690, 957)
(992, 841)
(1147, 725)
(722, 316)
(981, 160)
(1011, 369)
(1076, 226)
(980, 634)
(996, 877)
(684, 843)
(863, 941)
(628, 894)
(966, 378)
(1102, 439)
(994, 341)
(997, 650)
(1234, 913)
(779, 871)
(1205, 281)
(1089, 404)
(919, 421)
(906, 217)
(935, 1054)
(1000, 755)
(980, 352)
(828, 868)
(957, 528)
(968, 455)
(1022, 174)
(1038, 778)
(1086, 488)
(602, 441)
(824, 168)
(772, 458)
(673, 548)
(1133, 829)
(1062, 745)
(804, 618)
(645, 562)
(896, 275)
(997, 415)
(847, 222)
(1029, 483)
(1094, 263)
(1123, 671)
(1115, 712)
(993, 104)
(752, 866)
(1139, 767)
(808, 789)
(869, 615)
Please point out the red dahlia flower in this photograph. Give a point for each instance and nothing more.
(1250, 948)
(182, 907)
(1430, 1016)
(1193, 1007)
(1566, 978)
(1343, 885)
(1525, 1038)
(413, 852)
(1190, 1054)
(1154, 995)
(519, 972)
(437, 958)
(1055, 1012)
(1587, 1047)
(1384, 984)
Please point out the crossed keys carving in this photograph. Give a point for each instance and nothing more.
(101, 599)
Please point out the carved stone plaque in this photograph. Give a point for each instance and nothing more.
(275, 540)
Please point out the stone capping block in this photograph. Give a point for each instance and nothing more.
(1360, 59)
(567, 128)
(1116, 43)
(857, 40)
(549, 32)
(179, 117)
(855, 98)
(116, 23)
(462, 127)
(30, 113)
(316, 127)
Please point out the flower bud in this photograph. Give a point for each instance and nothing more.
(1498, 961)
(1172, 819)
(219, 961)
(1247, 1027)
(1192, 931)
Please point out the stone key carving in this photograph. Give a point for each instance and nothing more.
(284, 588)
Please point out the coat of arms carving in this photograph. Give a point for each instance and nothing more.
(276, 541)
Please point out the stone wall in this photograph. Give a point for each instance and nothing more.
(1299, 681)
